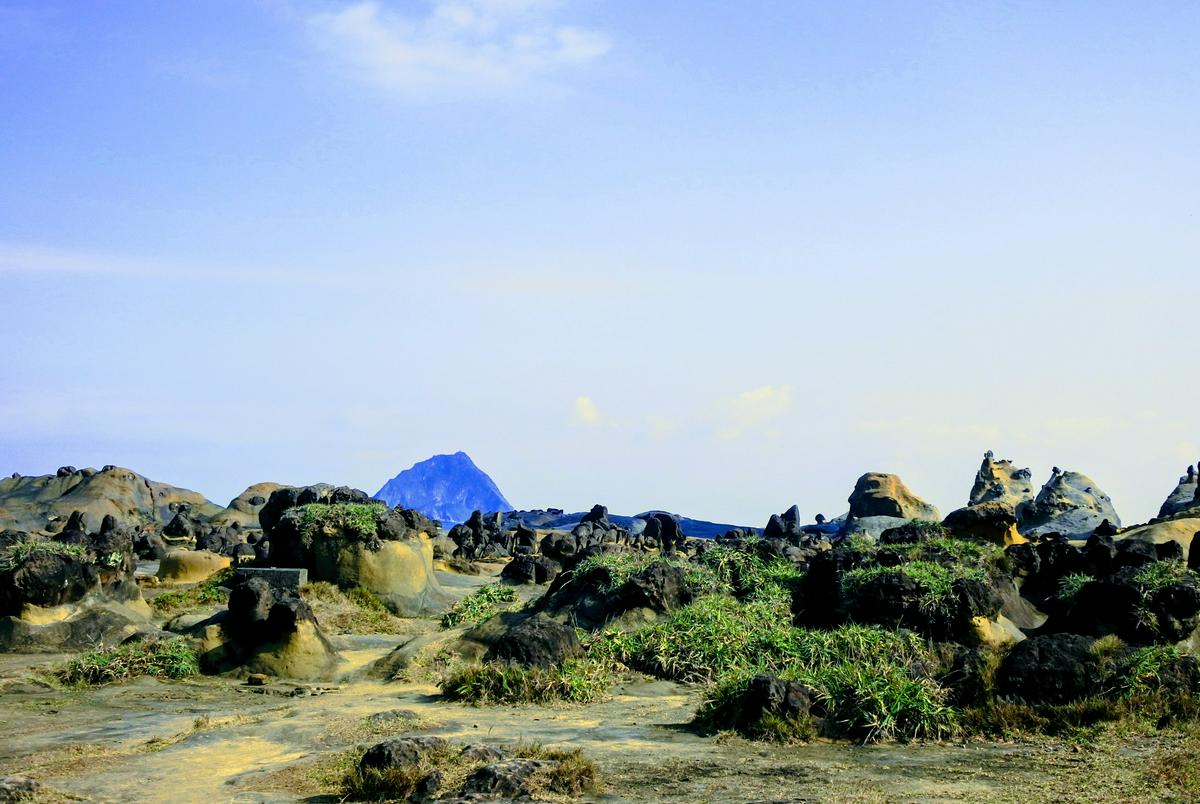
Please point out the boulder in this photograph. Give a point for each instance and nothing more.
(1049, 669)
(537, 641)
(992, 522)
(509, 779)
(47, 573)
(1070, 504)
(395, 562)
(190, 566)
(526, 569)
(878, 494)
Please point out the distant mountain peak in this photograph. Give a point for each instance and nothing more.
(447, 487)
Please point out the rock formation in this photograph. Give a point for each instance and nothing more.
(350, 540)
(1185, 496)
(881, 501)
(1071, 504)
(999, 481)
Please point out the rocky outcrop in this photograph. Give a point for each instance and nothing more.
(1185, 496)
(74, 592)
(190, 566)
(882, 501)
(44, 502)
(992, 522)
(266, 630)
(1051, 669)
(1070, 504)
(1000, 482)
(878, 494)
(354, 541)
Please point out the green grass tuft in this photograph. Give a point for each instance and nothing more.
(1158, 574)
(935, 580)
(210, 592)
(167, 658)
(355, 519)
(1070, 585)
(480, 605)
(575, 681)
(17, 554)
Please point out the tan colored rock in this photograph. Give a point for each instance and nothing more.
(29, 503)
(879, 494)
(997, 632)
(400, 573)
(190, 566)
(1181, 531)
(242, 509)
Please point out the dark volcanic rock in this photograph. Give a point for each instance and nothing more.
(537, 642)
(1049, 669)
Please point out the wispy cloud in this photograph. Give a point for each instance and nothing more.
(752, 408)
(455, 46)
(584, 411)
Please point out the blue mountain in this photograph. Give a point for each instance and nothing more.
(446, 488)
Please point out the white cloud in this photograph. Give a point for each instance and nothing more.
(585, 411)
(465, 46)
(752, 408)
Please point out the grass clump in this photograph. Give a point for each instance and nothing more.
(480, 605)
(210, 592)
(746, 573)
(936, 581)
(615, 569)
(355, 519)
(17, 554)
(166, 658)
(353, 611)
(1071, 584)
(574, 681)
(1158, 574)
(867, 684)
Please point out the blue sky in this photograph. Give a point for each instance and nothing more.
(703, 256)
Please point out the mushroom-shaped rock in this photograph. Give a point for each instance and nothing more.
(879, 494)
(190, 566)
(341, 536)
(1071, 504)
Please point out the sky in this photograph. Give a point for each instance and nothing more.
(709, 257)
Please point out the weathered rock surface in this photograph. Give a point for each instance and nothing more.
(395, 563)
(1185, 496)
(36, 503)
(1001, 482)
(1071, 504)
(880, 502)
(266, 630)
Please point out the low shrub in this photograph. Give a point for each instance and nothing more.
(1070, 585)
(480, 605)
(575, 681)
(1158, 574)
(173, 658)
